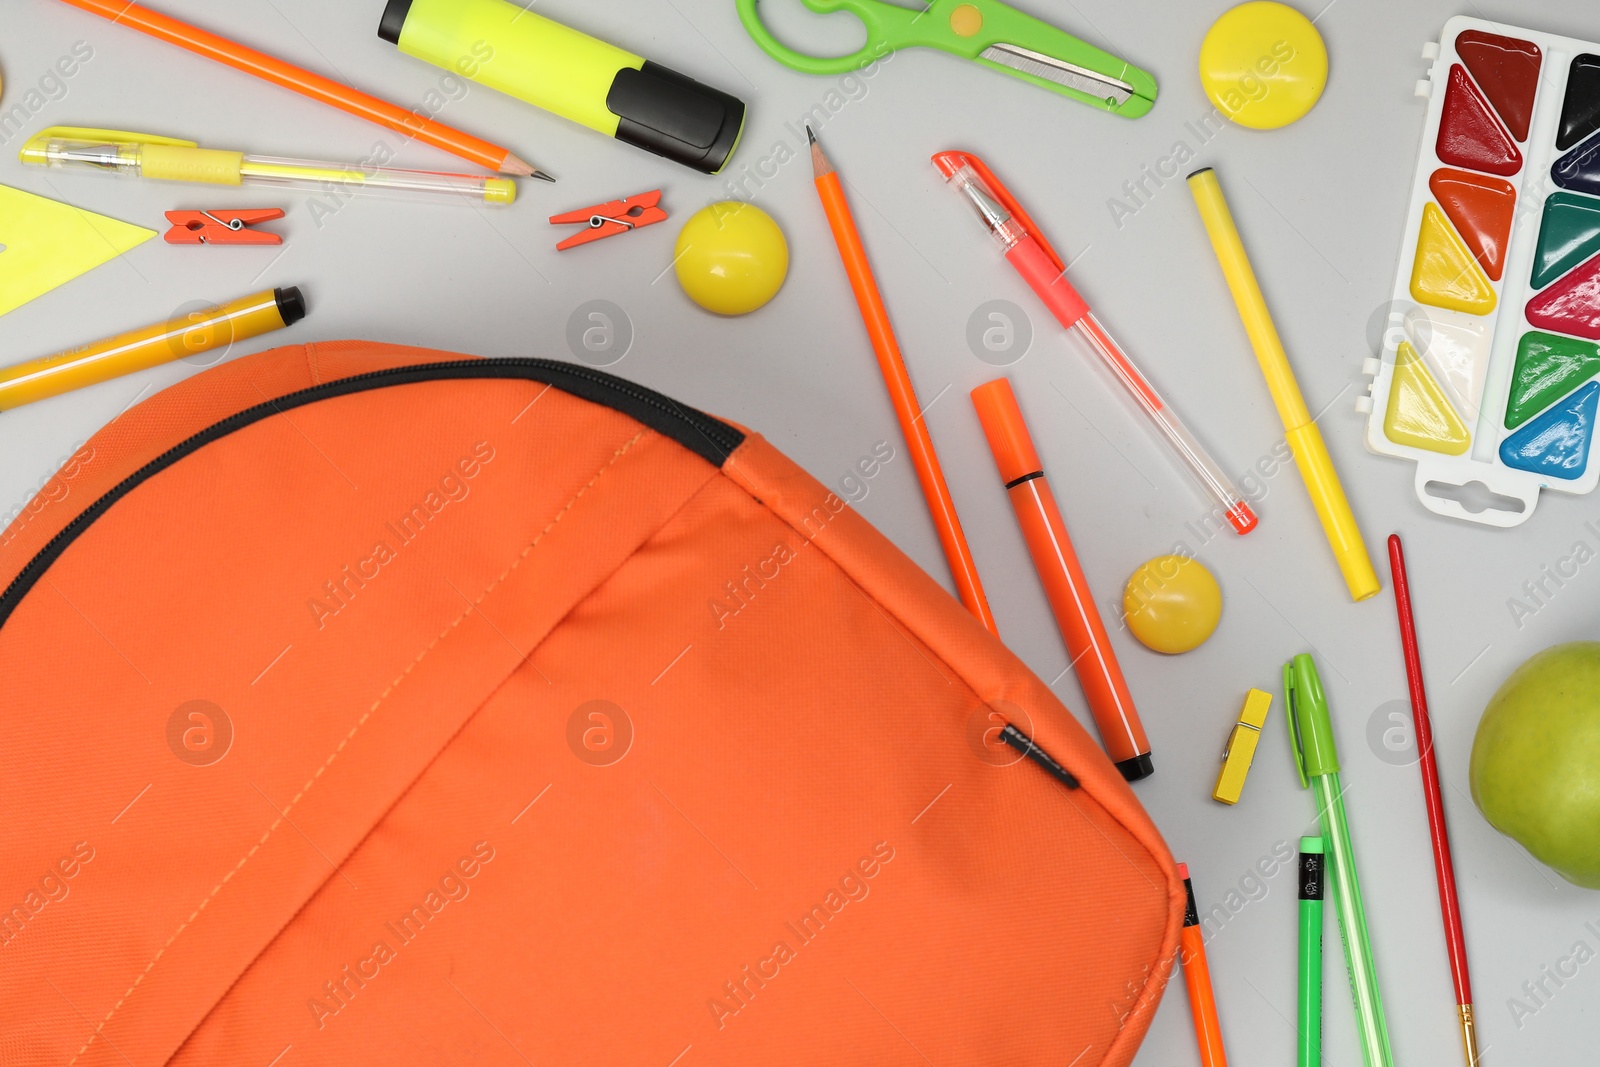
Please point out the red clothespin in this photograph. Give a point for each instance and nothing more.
(608, 220)
(221, 227)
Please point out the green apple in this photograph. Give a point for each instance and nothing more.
(1536, 760)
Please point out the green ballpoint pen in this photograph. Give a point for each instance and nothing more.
(1313, 885)
(1317, 760)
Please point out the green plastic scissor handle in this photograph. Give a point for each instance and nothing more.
(986, 23)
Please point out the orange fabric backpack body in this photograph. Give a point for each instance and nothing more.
(375, 705)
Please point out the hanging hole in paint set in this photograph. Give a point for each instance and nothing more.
(1476, 497)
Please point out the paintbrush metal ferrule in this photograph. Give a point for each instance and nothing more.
(1469, 1035)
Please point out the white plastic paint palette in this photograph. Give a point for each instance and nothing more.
(1490, 375)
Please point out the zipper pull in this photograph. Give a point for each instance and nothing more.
(1024, 744)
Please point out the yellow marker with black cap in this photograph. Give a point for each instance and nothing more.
(537, 60)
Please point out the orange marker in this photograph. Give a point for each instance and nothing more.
(963, 568)
(269, 68)
(1064, 584)
(1197, 976)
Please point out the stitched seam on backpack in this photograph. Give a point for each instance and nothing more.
(284, 814)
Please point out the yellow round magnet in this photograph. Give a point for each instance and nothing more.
(1264, 65)
(1172, 604)
(731, 258)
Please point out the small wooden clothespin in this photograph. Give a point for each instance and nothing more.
(608, 220)
(1241, 751)
(221, 227)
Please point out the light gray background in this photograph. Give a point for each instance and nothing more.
(1320, 205)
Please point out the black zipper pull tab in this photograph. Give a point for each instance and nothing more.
(1024, 744)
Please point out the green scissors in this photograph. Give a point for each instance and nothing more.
(984, 31)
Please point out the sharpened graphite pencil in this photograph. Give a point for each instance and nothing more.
(876, 316)
(315, 86)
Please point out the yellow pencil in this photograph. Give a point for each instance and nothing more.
(201, 331)
(1310, 453)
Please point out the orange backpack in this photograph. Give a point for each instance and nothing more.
(367, 704)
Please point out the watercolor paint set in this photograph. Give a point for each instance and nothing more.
(1490, 373)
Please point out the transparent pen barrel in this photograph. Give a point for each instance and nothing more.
(1213, 480)
(103, 156)
(259, 170)
(1345, 887)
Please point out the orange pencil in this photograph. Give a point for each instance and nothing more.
(1197, 976)
(962, 566)
(1062, 576)
(165, 28)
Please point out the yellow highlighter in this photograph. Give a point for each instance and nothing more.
(509, 48)
(149, 156)
(1241, 751)
(200, 331)
(1310, 453)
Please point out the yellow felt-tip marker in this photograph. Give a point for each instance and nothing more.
(1310, 453)
(184, 335)
(168, 159)
(1241, 750)
(507, 47)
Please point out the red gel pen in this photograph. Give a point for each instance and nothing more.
(1044, 272)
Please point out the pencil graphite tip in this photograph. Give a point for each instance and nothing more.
(520, 168)
(811, 138)
(820, 165)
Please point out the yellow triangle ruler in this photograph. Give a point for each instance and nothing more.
(45, 243)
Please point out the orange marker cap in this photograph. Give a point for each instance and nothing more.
(1008, 435)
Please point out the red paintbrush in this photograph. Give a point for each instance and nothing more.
(1444, 869)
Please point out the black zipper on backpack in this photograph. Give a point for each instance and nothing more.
(711, 439)
(1025, 745)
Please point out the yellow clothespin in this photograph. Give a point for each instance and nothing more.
(1241, 750)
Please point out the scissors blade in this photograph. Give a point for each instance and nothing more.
(1060, 71)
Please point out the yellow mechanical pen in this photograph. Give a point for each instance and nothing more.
(187, 335)
(149, 156)
(1310, 453)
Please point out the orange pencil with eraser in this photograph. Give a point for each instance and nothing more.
(1082, 629)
